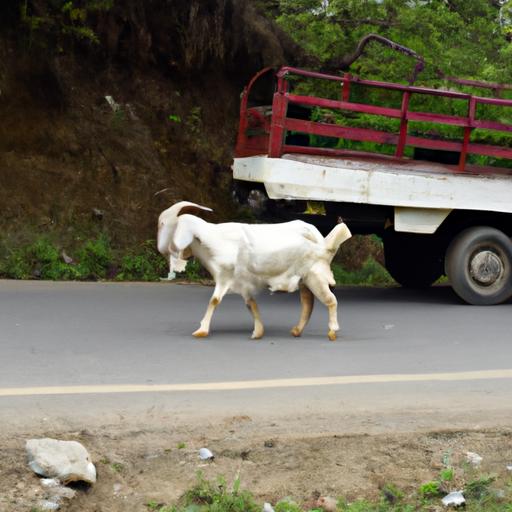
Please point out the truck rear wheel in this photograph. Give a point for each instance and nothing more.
(479, 265)
(412, 260)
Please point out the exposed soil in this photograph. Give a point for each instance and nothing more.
(138, 466)
(71, 165)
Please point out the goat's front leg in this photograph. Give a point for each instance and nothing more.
(218, 294)
(307, 301)
(258, 324)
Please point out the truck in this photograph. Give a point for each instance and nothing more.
(442, 205)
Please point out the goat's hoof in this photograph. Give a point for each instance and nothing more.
(257, 335)
(331, 335)
(296, 332)
(200, 333)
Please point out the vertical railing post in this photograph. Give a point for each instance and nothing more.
(467, 133)
(345, 90)
(402, 137)
(241, 142)
(277, 124)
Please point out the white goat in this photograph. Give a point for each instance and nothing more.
(243, 258)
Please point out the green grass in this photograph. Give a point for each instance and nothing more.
(480, 492)
(371, 273)
(92, 260)
(98, 259)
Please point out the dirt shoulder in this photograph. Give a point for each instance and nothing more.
(273, 458)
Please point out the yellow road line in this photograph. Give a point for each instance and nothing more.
(258, 384)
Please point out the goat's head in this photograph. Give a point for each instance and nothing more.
(167, 222)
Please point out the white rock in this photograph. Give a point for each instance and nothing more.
(68, 461)
(64, 492)
(48, 505)
(509, 467)
(473, 458)
(49, 482)
(267, 507)
(205, 454)
(454, 499)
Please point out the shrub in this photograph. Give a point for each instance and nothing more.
(144, 264)
(95, 258)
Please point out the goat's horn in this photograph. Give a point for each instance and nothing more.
(187, 207)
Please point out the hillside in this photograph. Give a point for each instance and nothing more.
(71, 165)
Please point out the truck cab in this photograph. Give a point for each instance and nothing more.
(429, 184)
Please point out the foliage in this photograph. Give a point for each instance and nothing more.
(42, 259)
(95, 258)
(370, 274)
(142, 264)
(208, 496)
(479, 488)
(217, 497)
(430, 490)
(60, 21)
(461, 38)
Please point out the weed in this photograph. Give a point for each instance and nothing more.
(117, 467)
(287, 505)
(391, 493)
(446, 475)
(40, 259)
(216, 497)
(181, 446)
(430, 490)
(95, 258)
(142, 264)
(371, 273)
(479, 488)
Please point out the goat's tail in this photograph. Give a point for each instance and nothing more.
(339, 234)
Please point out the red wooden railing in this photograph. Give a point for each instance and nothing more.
(263, 131)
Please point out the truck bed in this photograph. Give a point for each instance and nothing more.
(379, 180)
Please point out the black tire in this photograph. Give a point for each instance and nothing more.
(479, 265)
(413, 261)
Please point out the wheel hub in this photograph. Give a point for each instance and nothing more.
(486, 268)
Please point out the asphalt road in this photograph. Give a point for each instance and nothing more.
(86, 353)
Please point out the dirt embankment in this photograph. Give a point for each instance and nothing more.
(142, 466)
(71, 165)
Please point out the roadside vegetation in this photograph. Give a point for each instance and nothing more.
(483, 493)
(97, 259)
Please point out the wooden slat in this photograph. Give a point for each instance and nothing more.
(344, 105)
(494, 101)
(421, 142)
(342, 132)
(492, 125)
(427, 117)
(488, 150)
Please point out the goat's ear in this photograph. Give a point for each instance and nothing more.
(193, 208)
(183, 235)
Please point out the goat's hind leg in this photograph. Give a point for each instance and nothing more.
(255, 312)
(321, 290)
(307, 301)
(218, 293)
